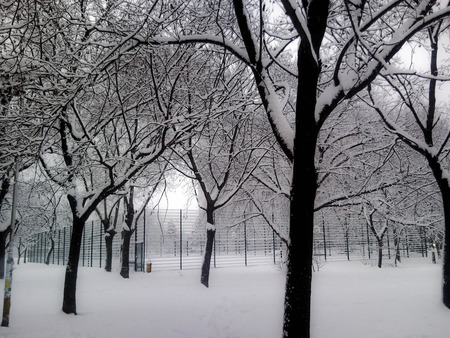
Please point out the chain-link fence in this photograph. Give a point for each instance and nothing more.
(350, 238)
(170, 239)
(175, 239)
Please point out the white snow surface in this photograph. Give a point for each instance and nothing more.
(349, 299)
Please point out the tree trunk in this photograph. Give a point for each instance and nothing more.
(299, 274)
(444, 187)
(446, 251)
(445, 191)
(126, 233)
(109, 237)
(3, 235)
(297, 302)
(303, 191)
(70, 283)
(125, 269)
(49, 253)
(379, 239)
(19, 255)
(380, 252)
(398, 257)
(19, 252)
(210, 234)
(4, 188)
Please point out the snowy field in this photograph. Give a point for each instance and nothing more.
(349, 300)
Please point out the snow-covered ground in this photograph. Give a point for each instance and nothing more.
(349, 300)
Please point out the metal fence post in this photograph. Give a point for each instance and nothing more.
(181, 239)
(92, 242)
(100, 245)
(53, 251)
(347, 246)
(64, 246)
(214, 250)
(145, 238)
(388, 243)
(83, 241)
(40, 248)
(135, 247)
(59, 243)
(245, 242)
(324, 239)
(273, 246)
(45, 247)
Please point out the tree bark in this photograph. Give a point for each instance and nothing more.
(126, 238)
(3, 235)
(109, 237)
(379, 239)
(380, 252)
(446, 253)
(398, 257)
(299, 274)
(444, 187)
(210, 235)
(126, 233)
(49, 253)
(303, 191)
(4, 188)
(110, 232)
(70, 283)
(297, 303)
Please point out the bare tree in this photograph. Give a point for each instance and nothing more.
(424, 130)
(135, 206)
(106, 128)
(335, 61)
(220, 160)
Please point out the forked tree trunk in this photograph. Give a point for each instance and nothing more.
(210, 235)
(379, 239)
(70, 283)
(297, 303)
(110, 232)
(125, 269)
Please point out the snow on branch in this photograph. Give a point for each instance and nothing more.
(345, 86)
(237, 51)
(394, 128)
(298, 16)
(267, 218)
(394, 71)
